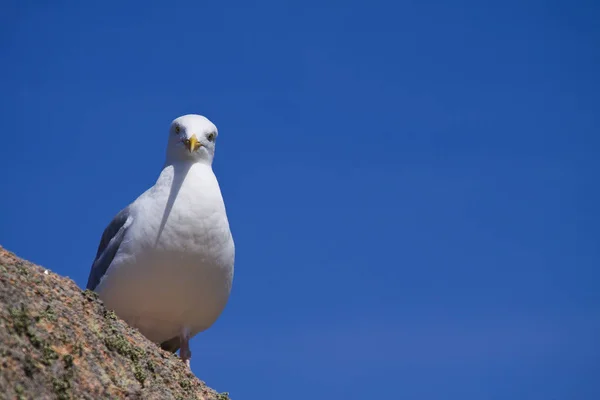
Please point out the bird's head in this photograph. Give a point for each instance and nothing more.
(192, 137)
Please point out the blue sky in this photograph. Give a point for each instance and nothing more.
(412, 186)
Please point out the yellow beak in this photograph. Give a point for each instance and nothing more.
(192, 143)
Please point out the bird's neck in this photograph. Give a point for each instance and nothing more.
(186, 163)
(178, 170)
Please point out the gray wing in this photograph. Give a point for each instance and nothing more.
(109, 244)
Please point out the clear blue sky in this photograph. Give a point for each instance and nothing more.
(412, 186)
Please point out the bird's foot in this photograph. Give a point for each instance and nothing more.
(184, 351)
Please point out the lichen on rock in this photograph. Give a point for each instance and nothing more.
(59, 342)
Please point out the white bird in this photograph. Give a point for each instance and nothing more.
(165, 262)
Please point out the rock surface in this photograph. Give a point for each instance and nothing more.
(59, 342)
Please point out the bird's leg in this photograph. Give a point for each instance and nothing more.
(184, 347)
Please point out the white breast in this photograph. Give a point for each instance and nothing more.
(175, 270)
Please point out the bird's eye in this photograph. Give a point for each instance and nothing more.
(177, 129)
(211, 137)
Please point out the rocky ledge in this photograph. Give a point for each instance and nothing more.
(59, 342)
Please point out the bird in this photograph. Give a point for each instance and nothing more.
(165, 263)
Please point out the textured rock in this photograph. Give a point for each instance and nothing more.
(59, 342)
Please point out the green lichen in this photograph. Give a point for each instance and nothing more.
(139, 373)
(78, 349)
(223, 396)
(19, 391)
(22, 269)
(110, 314)
(150, 366)
(61, 388)
(68, 361)
(185, 384)
(117, 342)
(34, 340)
(62, 385)
(90, 295)
(21, 325)
(48, 354)
(20, 319)
(94, 327)
(48, 314)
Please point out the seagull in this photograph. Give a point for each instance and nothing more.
(165, 262)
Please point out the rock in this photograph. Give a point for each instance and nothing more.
(59, 342)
